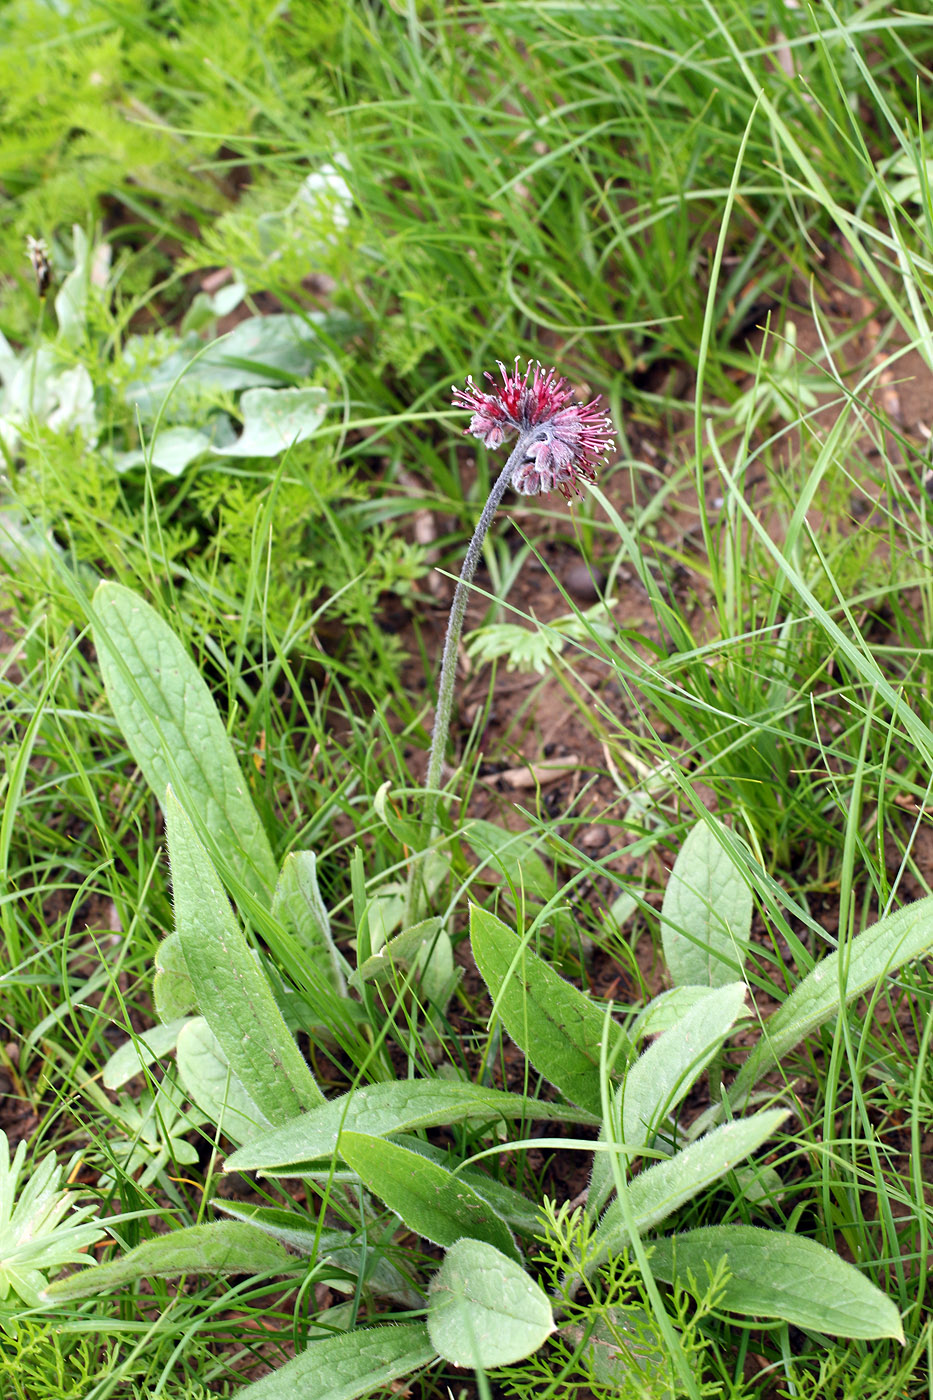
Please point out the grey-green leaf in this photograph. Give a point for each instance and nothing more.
(428, 1199)
(838, 978)
(706, 916)
(484, 1310)
(174, 731)
(783, 1276)
(559, 1029)
(344, 1251)
(658, 1191)
(383, 1109)
(138, 1054)
(222, 1247)
(172, 990)
(299, 906)
(341, 1368)
(661, 1078)
(211, 1084)
(233, 994)
(275, 420)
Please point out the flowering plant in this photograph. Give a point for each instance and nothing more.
(559, 441)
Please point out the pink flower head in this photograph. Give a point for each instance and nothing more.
(571, 435)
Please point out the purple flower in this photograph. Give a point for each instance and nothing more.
(566, 438)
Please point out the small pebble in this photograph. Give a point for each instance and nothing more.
(583, 581)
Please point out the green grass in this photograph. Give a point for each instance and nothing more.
(627, 192)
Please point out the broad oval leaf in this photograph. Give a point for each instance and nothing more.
(783, 1276)
(222, 1247)
(341, 1368)
(275, 420)
(232, 991)
(383, 1109)
(172, 989)
(559, 1029)
(484, 1310)
(174, 731)
(429, 1199)
(706, 917)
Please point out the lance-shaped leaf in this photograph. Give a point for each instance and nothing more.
(661, 1078)
(658, 1191)
(783, 1276)
(174, 731)
(428, 1199)
(383, 1109)
(484, 1310)
(299, 906)
(838, 978)
(560, 1030)
(233, 994)
(706, 917)
(341, 1368)
(223, 1247)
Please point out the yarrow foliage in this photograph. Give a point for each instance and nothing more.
(567, 436)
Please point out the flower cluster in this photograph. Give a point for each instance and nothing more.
(566, 437)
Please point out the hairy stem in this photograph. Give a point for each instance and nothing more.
(445, 686)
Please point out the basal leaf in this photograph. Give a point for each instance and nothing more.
(782, 1276)
(484, 1310)
(706, 916)
(341, 1368)
(220, 1248)
(299, 906)
(837, 979)
(659, 1190)
(233, 994)
(275, 420)
(383, 1109)
(174, 731)
(662, 1077)
(427, 1198)
(559, 1029)
(211, 1084)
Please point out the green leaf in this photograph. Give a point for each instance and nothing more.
(172, 450)
(172, 990)
(298, 905)
(658, 1191)
(559, 1029)
(138, 1054)
(341, 1368)
(344, 1251)
(383, 1109)
(706, 917)
(275, 420)
(484, 1310)
(233, 994)
(513, 854)
(783, 1276)
(662, 1077)
(428, 1199)
(838, 978)
(174, 732)
(398, 955)
(211, 1084)
(667, 1009)
(222, 1247)
(623, 1345)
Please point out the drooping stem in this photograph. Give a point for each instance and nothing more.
(445, 685)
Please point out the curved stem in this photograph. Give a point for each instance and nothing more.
(445, 686)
